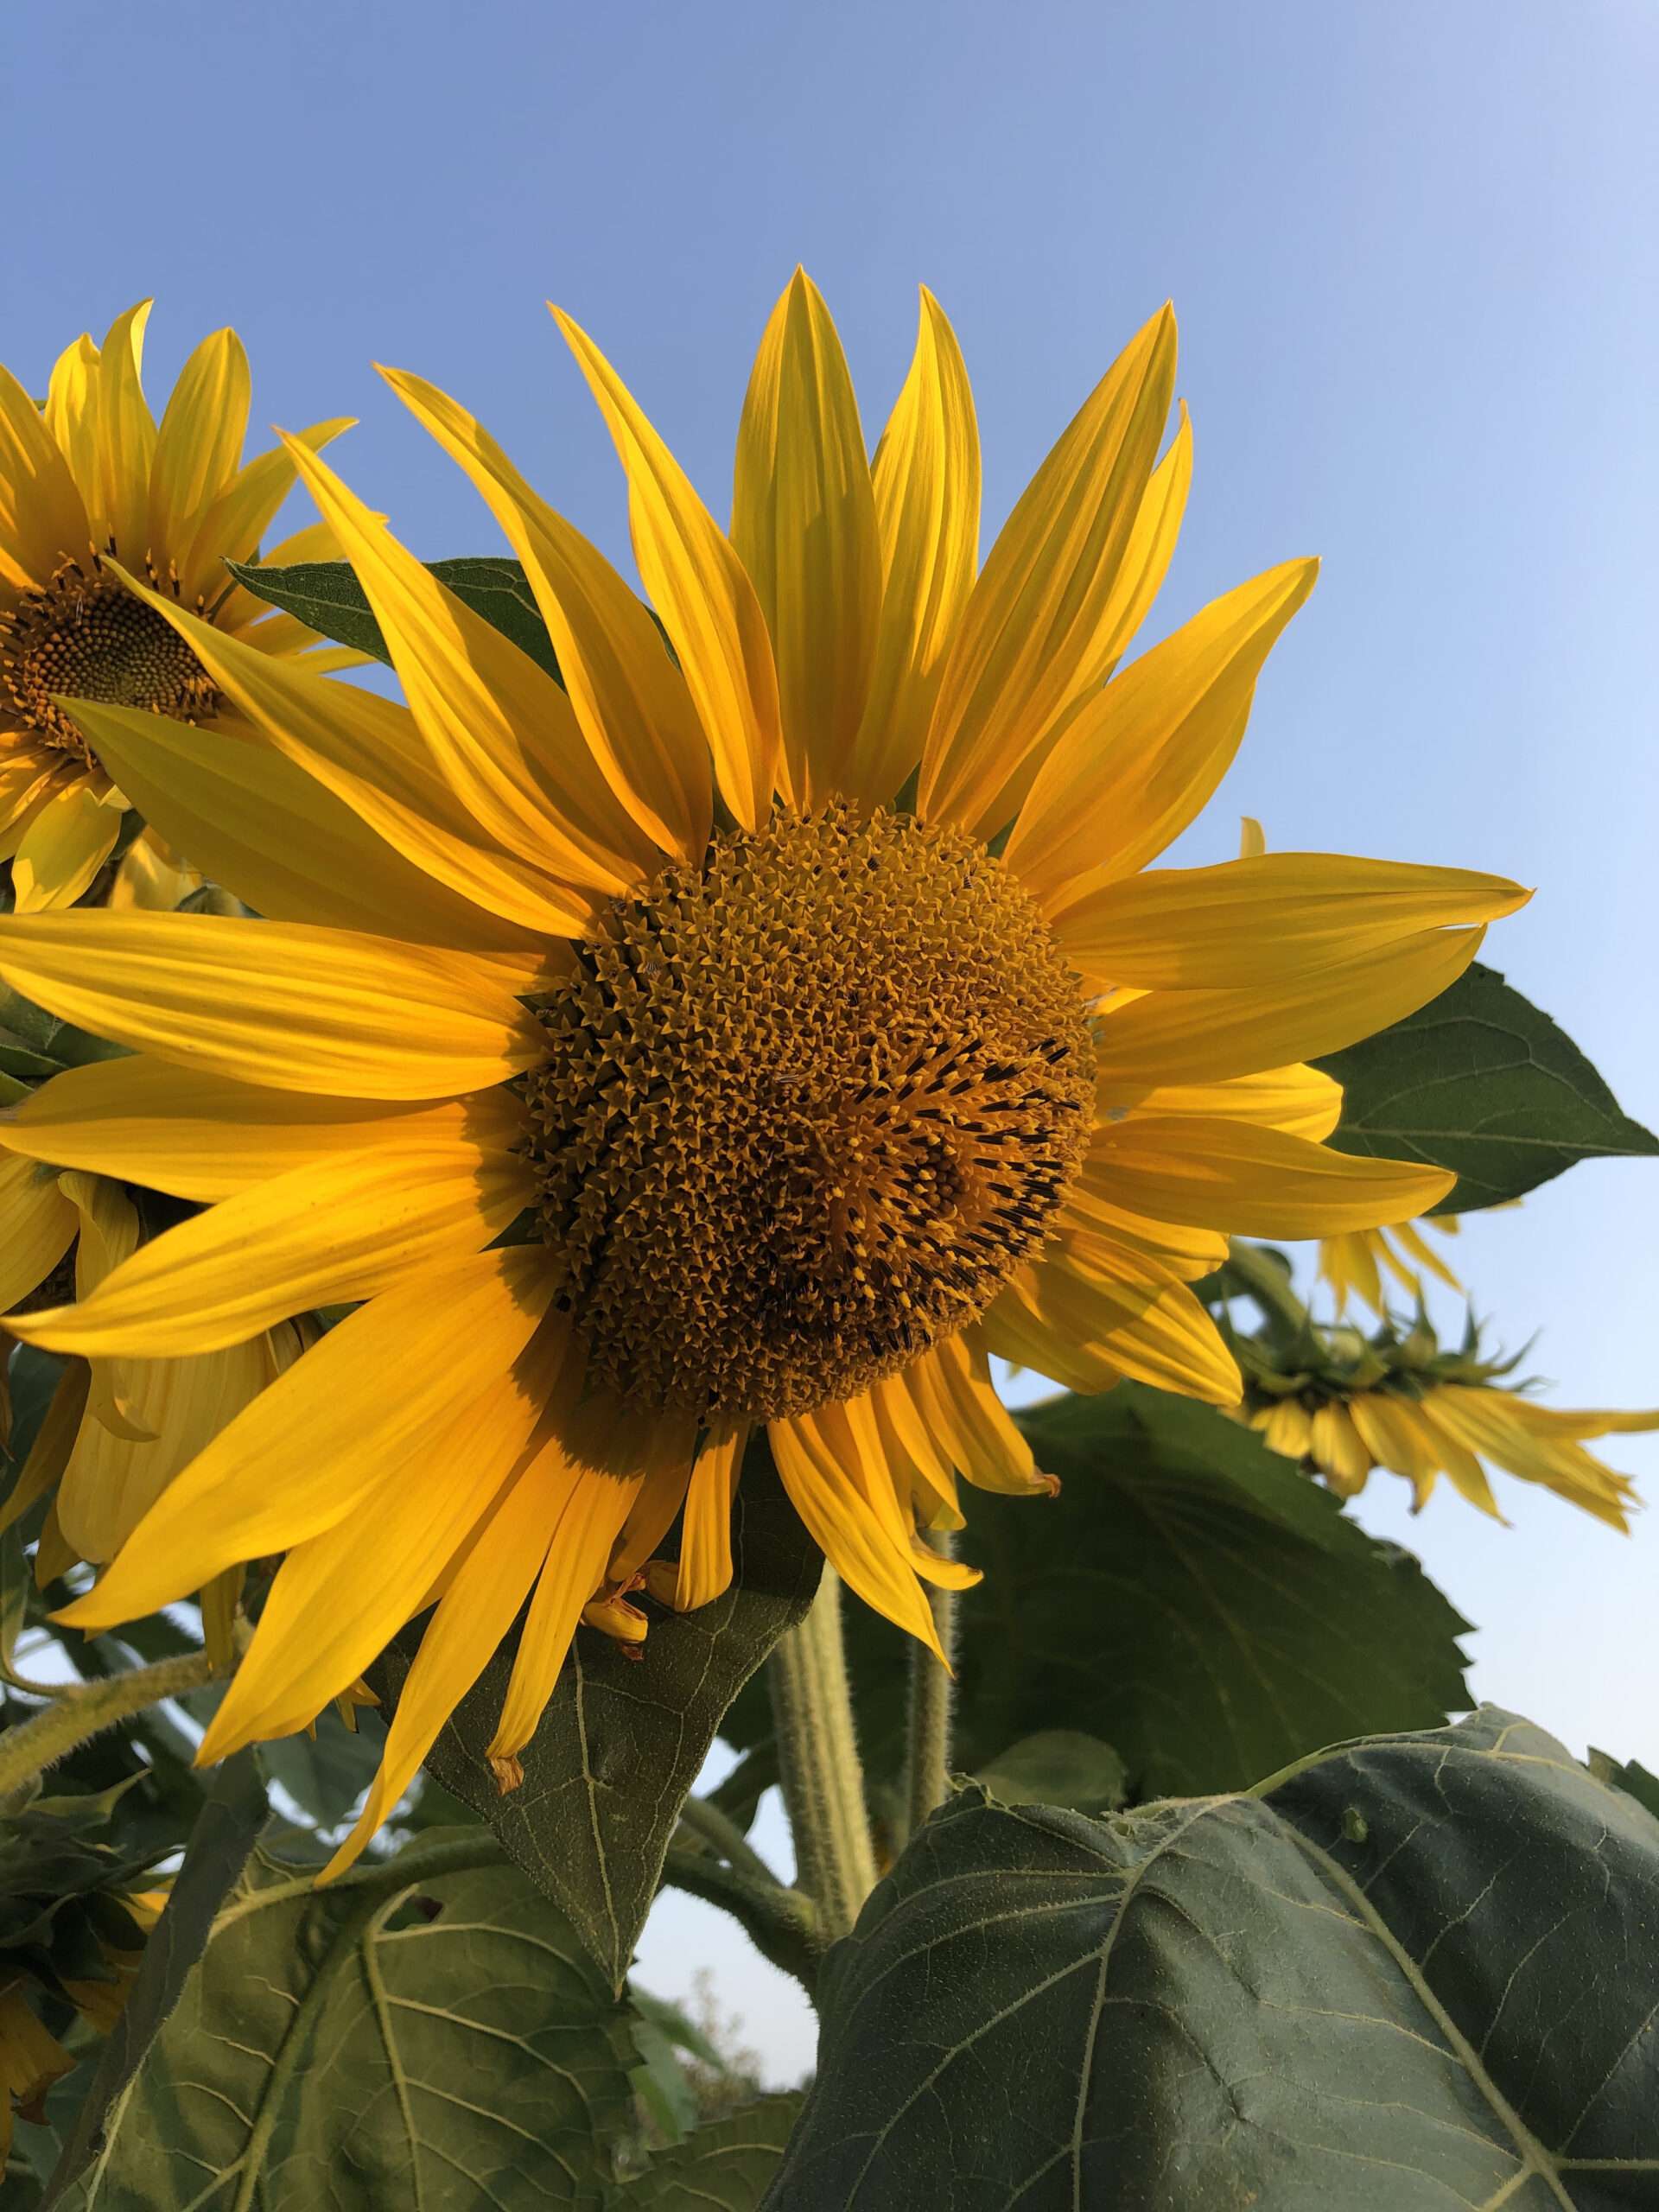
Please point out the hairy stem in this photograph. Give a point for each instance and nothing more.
(784, 1926)
(818, 1764)
(86, 1710)
(932, 1695)
(1267, 1284)
(725, 1839)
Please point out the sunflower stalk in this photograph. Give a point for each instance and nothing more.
(1268, 1285)
(818, 1764)
(932, 1699)
(86, 1710)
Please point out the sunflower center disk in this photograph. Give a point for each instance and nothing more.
(88, 638)
(805, 1111)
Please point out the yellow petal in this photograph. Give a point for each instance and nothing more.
(1468, 1478)
(36, 1223)
(66, 843)
(336, 1231)
(1252, 1181)
(279, 1003)
(927, 489)
(1152, 1333)
(1243, 923)
(126, 438)
(350, 1411)
(324, 1620)
(235, 521)
(500, 727)
(804, 525)
(111, 1482)
(1425, 1256)
(1335, 1446)
(705, 1567)
(1252, 838)
(700, 589)
(630, 700)
(1300, 1099)
(1348, 1263)
(1385, 1428)
(1486, 1422)
(257, 823)
(1039, 631)
(1205, 1036)
(151, 877)
(951, 1389)
(1286, 1429)
(369, 752)
(1139, 760)
(43, 519)
(1162, 1251)
(912, 1453)
(831, 1465)
(198, 446)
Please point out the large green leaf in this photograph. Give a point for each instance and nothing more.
(723, 2167)
(1190, 1598)
(326, 595)
(1419, 1972)
(428, 2032)
(627, 1729)
(1479, 1081)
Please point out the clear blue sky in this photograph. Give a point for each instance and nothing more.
(1411, 249)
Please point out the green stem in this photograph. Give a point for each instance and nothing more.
(1267, 1284)
(726, 1839)
(85, 1711)
(932, 1693)
(784, 1926)
(818, 1764)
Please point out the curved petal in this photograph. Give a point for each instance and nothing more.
(1151, 1332)
(1252, 1181)
(1139, 762)
(804, 525)
(926, 480)
(43, 520)
(282, 1003)
(350, 1411)
(630, 699)
(68, 841)
(39, 1223)
(1300, 1098)
(705, 1564)
(198, 446)
(700, 589)
(952, 1391)
(1036, 633)
(1243, 923)
(233, 522)
(832, 1465)
(125, 437)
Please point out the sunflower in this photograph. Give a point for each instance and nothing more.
(785, 1025)
(116, 1431)
(89, 479)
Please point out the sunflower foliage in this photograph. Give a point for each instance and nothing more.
(522, 1174)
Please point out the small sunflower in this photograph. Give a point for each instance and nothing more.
(1344, 1404)
(785, 1025)
(89, 479)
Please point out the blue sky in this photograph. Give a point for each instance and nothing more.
(1410, 248)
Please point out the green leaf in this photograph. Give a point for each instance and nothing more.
(627, 1729)
(34, 1044)
(1416, 1972)
(723, 2167)
(1479, 1081)
(326, 1774)
(231, 1818)
(426, 2033)
(326, 595)
(1634, 1779)
(1190, 1598)
(1057, 1766)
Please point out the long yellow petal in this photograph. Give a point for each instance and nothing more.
(339, 1229)
(348, 1413)
(1335, 1444)
(253, 821)
(207, 1137)
(1468, 1478)
(298, 1008)
(700, 589)
(926, 480)
(233, 522)
(914, 1455)
(1302, 1099)
(804, 525)
(38, 1222)
(1181, 1037)
(839, 1483)
(952, 1391)
(43, 520)
(324, 1620)
(630, 699)
(705, 1565)
(1243, 923)
(370, 753)
(1139, 760)
(1162, 1251)
(1211, 1172)
(126, 438)
(1153, 1332)
(1384, 1427)
(198, 446)
(68, 841)
(1035, 634)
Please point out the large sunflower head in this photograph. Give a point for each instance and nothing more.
(759, 1033)
(90, 487)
